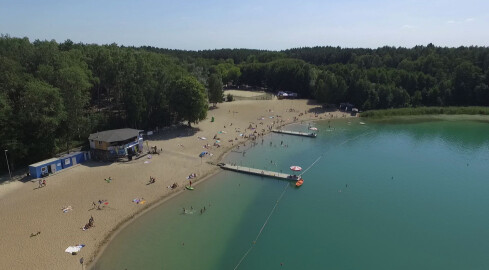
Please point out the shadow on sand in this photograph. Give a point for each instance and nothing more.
(172, 132)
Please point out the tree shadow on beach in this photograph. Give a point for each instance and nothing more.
(167, 133)
(321, 109)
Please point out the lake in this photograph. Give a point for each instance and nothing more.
(404, 193)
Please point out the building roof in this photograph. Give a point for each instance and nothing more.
(115, 135)
(70, 155)
(44, 162)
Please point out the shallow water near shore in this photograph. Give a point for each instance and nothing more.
(402, 194)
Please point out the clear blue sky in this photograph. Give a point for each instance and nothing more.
(274, 25)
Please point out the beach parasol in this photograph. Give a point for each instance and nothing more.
(203, 154)
(296, 168)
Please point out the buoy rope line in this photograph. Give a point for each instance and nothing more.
(283, 193)
(348, 140)
(263, 227)
(312, 164)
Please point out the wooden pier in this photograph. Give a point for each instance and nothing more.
(297, 133)
(259, 172)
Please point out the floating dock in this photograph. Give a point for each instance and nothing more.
(259, 172)
(297, 133)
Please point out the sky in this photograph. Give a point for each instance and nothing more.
(268, 25)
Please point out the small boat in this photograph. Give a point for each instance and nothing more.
(313, 128)
(299, 182)
(189, 187)
(296, 168)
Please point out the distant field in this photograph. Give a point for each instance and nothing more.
(243, 94)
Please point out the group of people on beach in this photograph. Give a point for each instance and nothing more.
(94, 205)
(42, 183)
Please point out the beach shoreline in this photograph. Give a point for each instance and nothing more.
(178, 159)
(102, 245)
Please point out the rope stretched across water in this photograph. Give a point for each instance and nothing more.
(312, 164)
(349, 140)
(263, 227)
(281, 195)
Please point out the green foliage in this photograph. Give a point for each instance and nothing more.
(229, 72)
(425, 111)
(330, 88)
(214, 85)
(40, 117)
(5, 114)
(229, 97)
(290, 75)
(188, 100)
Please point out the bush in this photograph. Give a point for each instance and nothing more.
(229, 98)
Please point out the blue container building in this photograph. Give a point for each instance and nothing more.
(45, 167)
(73, 159)
(54, 165)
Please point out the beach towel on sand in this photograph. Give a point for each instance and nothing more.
(72, 249)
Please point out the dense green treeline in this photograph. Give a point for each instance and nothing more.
(52, 95)
(386, 77)
(382, 78)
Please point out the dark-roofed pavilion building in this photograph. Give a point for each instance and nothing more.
(116, 143)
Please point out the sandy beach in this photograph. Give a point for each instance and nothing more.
(36, 231)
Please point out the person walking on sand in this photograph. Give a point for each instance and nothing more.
(40, 183)
(94, 205)
(44, 182)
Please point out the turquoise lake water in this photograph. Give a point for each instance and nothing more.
(400, 194)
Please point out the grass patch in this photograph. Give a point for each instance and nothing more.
(426, 111)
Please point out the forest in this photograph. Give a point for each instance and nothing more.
(53, 95)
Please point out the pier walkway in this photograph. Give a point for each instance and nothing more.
(259, 172)
(297, 133)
